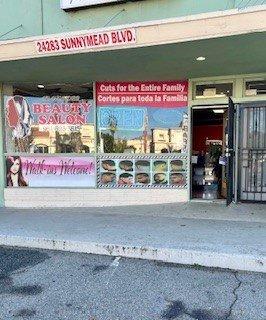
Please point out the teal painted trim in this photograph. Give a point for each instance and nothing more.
(25, 18)
(2, 159)
(242, 4)
(46, 17)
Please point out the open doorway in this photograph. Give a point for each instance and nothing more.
(209, 135)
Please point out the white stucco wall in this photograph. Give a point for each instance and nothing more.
(31, 197)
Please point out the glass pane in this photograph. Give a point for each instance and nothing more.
(215, 90)
(254, 88)
(254, 120)
(142, 129)
(49, 124)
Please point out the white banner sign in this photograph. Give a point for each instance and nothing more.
(86, 41)
(71, 4)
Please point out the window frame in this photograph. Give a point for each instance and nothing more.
(245, 80)
(211, 82)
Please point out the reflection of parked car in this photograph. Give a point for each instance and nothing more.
(39, 148)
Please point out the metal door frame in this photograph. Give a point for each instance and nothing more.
(239, 136)
(230, 152)
(192, 108)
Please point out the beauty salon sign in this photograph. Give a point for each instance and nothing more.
(89, 40)
(41, 111)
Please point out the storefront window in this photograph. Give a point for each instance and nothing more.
(141, 130)
(142, 118)
(49, 124)
(143, 126)
(135, 137)
(213, 90)
(256, 87)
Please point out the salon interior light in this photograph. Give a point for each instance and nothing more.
(201, 58)
(40, 86)
(218, 110)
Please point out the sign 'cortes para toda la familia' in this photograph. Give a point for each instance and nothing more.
(168, 94)
(84, 41)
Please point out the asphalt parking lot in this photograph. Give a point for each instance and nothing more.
(39, 284)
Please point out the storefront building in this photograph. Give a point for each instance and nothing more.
(160, 107)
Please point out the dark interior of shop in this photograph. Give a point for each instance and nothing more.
(84, 91)
(208, 167)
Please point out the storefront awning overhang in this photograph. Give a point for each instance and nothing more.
(233, 42)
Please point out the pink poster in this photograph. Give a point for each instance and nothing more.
(54, 171)
(167, 94)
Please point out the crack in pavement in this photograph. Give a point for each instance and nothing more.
(177, 308)
(239, 282)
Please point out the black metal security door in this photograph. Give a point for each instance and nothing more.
(230, 152)
(252, 152)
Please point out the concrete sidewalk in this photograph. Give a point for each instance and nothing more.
(204, 234)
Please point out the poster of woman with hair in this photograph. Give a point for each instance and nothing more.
(14, 175)
(19, 119)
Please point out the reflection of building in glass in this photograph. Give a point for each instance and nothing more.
(138, 144)
(52, 139)
(157, 134)
(166, 140)
(161, 140)
(185, 132)
(88, 138)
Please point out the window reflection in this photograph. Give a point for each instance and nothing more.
(214, 90)
(142, 130)
(256, 87)
(49, 125)
(40, 148)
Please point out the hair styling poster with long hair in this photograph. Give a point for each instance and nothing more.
(53, 171)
